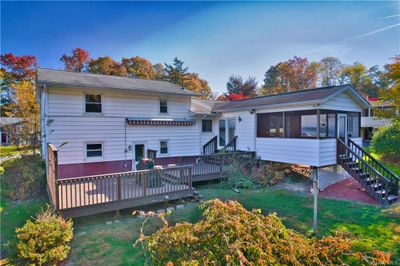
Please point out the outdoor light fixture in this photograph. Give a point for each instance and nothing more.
(252, 111)
(240, 119)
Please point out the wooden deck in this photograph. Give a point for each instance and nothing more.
(86, 195)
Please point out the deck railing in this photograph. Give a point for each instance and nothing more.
(101, 189)
(231, 146)
(211, 146)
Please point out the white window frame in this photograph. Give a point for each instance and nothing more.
(166, 141)
(159, 106)
(84, 103)
(96, 158)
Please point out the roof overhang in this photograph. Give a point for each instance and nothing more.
(94, 86)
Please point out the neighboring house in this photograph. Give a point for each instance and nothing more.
(9, 127)
(369, 120)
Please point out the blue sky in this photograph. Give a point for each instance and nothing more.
(215, 39)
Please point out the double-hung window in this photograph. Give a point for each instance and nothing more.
(94, 150)
(163, 106)
(92, 103)
(206, 125)
(163, 147)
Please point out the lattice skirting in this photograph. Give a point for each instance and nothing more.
(331, 175)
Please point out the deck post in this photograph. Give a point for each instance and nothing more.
(118, 187)
(314, 174)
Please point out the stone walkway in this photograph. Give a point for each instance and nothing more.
(348, 189)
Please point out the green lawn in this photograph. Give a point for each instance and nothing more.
(13, 215)
(395, 168)
(98, 243)
(12, 150)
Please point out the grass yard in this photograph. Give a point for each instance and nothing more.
(13, 215)
(12, 150)
(394, 167)
(97, 243)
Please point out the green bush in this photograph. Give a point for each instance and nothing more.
(46, 240)
(24, 177)
(386, 141)
(231, 235)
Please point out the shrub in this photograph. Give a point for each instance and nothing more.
(45, 240)
(231, 235)
(386, 141)
(24, 177)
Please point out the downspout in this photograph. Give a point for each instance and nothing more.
(125, 148)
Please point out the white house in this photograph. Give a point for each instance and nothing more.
(104, 123)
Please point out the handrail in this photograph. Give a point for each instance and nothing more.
(211, 146)
(364, 162)
(374, 160)
(231, 143)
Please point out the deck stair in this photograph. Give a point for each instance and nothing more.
(378, 181)
(211, 147)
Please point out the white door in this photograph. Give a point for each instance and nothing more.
(342, 127)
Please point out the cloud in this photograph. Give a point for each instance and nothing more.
(391, 16)
(353, 38)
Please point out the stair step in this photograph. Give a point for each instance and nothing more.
(376, 185)
(381, 192)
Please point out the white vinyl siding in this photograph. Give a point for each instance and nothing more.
(182, 140)
(342, 102)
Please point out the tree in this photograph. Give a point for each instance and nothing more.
(77, 61)
(18, 96)
(176, 72)
(239, 89)
(295, 74)
(107, 66)
(139, 67)
(197, 85)
(366, 81)
(392, 94)
(159, 68)
(329, 71)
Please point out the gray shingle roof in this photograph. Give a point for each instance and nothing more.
(310, 95)
(63, 78)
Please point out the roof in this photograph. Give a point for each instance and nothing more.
(52, 77)
(6, 121)
(203, 106)
(311, 96)
(378, 104)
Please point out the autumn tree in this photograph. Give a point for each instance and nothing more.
(237, 88)
(107, 66)
(160, 71)
(139, 67)
(329, 71)
(197, 85)
(392, 94)
(364, 80)
(295, 74)
(77, 62)
(18, 74)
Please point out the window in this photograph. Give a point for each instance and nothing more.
(231, 128)
(206, 125)
(222, 132)
(163, 106)
(353, 125)
(308, 125)
(331, 125)
(164, 147)
(270, 125)
(92, 103)
(94, 150)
